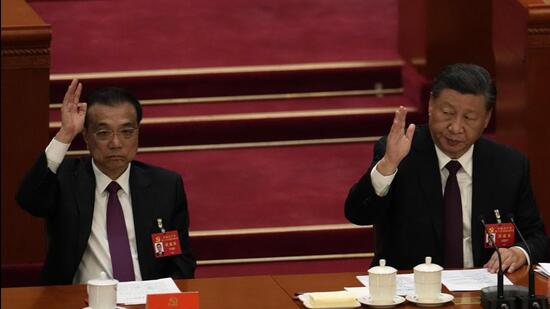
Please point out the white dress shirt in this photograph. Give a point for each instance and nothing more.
(97, 258)
(382, 184)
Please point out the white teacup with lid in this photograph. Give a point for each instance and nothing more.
(102, 292)
(382, 283)
(427, 281)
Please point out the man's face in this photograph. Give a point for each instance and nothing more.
(112, 137)
(457, 120)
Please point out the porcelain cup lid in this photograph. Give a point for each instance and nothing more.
(428, 266)
(382, 269)
(102, 280)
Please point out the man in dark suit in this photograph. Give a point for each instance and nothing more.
(103, 209)
(403, 192)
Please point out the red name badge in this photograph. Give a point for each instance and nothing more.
(166, 244)
(503, 234)
(186, 300)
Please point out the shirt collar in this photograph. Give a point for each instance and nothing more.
(465, 160)
(102, 180)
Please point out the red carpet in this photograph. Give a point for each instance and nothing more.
(141, 34)
(267, 187)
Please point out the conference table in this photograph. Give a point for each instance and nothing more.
(270, 291)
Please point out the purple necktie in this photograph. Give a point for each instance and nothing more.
(453, 219)
(119, 245)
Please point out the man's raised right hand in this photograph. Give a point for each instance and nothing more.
(73, 113)
(398, 143)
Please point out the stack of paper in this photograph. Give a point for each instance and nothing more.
(470, 279)
(543, 269)
(339, 299)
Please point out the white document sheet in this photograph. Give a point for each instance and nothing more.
(135, 292)
(404, 283)
(543, 269)
(470, 279)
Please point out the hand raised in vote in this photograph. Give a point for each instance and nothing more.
(512, 260)
(398, 143)
(73, 113)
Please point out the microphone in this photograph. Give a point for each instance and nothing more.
(500, 275)
(533, 301)
(496, 298)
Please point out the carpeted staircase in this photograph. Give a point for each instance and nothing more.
(268, 149)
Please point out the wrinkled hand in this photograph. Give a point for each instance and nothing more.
(512, 259)
(72, 113)
(398, 143)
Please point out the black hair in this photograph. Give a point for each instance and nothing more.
(466, 79)
(112, 96)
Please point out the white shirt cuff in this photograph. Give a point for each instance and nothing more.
(525, 253)
(381, 183)
(55, 153)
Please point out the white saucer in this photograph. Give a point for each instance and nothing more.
(443, 298)
(368, 301)
(305, 300)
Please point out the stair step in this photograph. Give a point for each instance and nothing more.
(173, 110)
(326, 118)
(300, 243)
(243, 80)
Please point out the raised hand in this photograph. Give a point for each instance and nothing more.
(398, 143)
(72, 114)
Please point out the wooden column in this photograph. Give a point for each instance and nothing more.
(411, 34)
(25, 96)
(434, 33)
(522, 56)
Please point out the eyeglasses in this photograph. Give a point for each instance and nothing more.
(107, 135)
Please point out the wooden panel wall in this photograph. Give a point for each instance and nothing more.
(411, 36)
(434, 33)
(458, 31)
(25, 96)
(522, 57)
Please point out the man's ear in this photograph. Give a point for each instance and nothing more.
(430, 105)
(85, 136)
(488, 117)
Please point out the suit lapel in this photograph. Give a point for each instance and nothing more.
(85, 197)
(429, 178)
(482, 165)
(142, 202)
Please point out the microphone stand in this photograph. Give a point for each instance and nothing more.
(491, 299)
(531, 301)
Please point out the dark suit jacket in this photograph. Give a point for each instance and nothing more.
(408, 221)
(66, 200)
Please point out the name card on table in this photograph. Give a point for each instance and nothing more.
(185, 300)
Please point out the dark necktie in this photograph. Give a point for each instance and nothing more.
(453, 219)
(119, 245)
